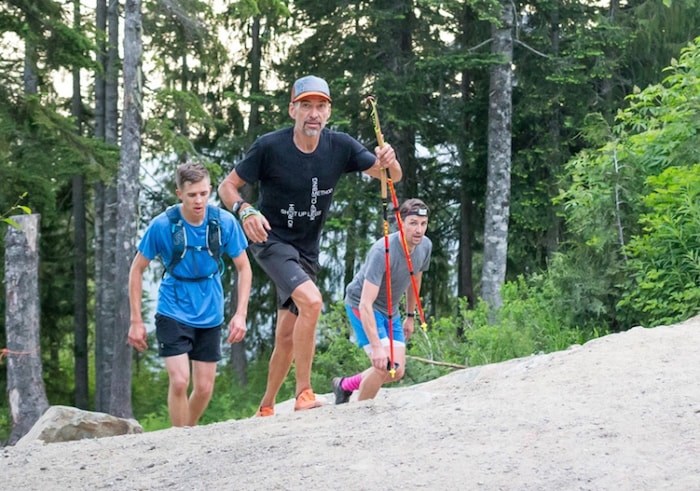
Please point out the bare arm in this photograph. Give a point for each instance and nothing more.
(411, 302)
(237, 325)
(256, 225)
(378, 353)
(137, 329)
(228, 189)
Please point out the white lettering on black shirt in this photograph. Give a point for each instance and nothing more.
(291, 212)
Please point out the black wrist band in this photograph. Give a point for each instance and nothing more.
(237, 206)
(410, 314)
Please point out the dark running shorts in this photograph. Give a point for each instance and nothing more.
(175, 338)
(286, 268)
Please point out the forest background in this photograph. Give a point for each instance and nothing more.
(575, 124)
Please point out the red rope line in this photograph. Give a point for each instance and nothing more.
(387, 263)
(5, 353)
(409, 261)
(385, 203)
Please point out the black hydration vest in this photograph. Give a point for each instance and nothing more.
(179, 236)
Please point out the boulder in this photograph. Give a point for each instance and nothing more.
(65, 423)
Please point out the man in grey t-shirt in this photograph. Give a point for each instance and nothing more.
(366, 302)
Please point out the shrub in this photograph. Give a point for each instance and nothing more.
(664, 261)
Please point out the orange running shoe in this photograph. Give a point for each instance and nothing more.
(265, 411)
(306, 400)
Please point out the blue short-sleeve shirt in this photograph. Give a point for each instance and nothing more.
(194, 303)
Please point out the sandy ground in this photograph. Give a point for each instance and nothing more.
(619, 413)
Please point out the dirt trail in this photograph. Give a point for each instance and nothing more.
(619, 413)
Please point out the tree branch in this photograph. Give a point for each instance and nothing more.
(438, 363)
(531, 49)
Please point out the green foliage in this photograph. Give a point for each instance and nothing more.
(530, 321)
(336, 354)
(183, 119)
(5, 217)
(149, 389)
(42, 151)
(5, 423)
(664, 261)
(231, 400)
(607, 203)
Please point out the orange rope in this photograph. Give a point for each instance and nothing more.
(407, 254)
(385, 205)
(387, 262)
(5, 353)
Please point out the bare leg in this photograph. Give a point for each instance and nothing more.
(282, 356)
(203, 376)
(373, 379)
(178, 368)
(308, 300)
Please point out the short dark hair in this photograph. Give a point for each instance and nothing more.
(190, 172)
(413, 206)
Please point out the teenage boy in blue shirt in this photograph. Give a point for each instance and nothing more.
(190, 309)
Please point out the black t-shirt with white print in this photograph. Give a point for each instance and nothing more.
(296, 188)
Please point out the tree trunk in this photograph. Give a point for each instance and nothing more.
(127, 210)
(551, 240)
(465, 287)
(80, 295)
(237, 356)
(112, 74)
(30, 76)
(465, 276)
(499, 162)
(105, 295)
(106, 218)
(100, 102)
(80, 319)
(25, 386)
(255, 58)
(238, 360)
(351, 240)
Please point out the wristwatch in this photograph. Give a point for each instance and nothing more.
(237, 206)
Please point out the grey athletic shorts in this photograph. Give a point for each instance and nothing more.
(286, 268)
(175, 338)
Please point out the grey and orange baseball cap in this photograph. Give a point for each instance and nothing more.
(310, 85)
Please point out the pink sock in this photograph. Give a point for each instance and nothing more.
(351, 383)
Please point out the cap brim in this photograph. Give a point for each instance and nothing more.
(305, 95)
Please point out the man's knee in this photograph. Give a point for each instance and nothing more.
(204, 388)
(396, 376)
(308, 299)
(179, 383)
(312, 306)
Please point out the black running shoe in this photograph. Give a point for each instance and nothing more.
(341, 395)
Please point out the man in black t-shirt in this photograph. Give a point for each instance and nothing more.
(297, 169)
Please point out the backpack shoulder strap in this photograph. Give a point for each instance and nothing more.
(214, 233)
(179, 237)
